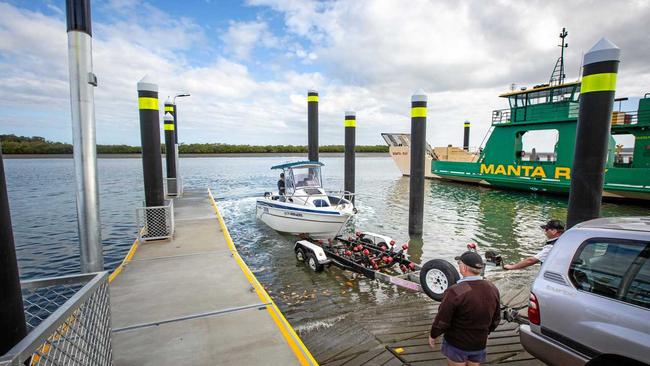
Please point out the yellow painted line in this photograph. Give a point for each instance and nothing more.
(127, 259)
(419, 112)
(312, 98)
(169, 108)
(466, 125)
(598, 82)
(295, 343)
(350, 123)
(148, 103)
(169, 127)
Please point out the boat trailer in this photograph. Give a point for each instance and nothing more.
(378, 257)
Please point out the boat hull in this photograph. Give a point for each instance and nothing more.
(293, 219)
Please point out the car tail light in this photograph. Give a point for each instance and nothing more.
(533, 310)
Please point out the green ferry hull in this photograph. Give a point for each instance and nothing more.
(633, 189)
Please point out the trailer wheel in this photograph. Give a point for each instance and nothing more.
(436, 276)
(312, 263)
(300, 254)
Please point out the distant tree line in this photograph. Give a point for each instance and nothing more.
(12, 144)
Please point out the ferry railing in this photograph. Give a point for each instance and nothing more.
(618, 117)
(500, 116)
(69, 322)
(173, 187)
(155, 222)
(630, 117)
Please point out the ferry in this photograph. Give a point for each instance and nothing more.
(551, 110)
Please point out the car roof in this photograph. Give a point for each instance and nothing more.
(635, 223)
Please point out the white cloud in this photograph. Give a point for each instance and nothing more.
(367, 56)
(242, 37)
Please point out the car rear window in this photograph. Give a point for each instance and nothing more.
(613, 268)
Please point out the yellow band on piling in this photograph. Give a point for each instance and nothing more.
(169, 127)
(598, 82)
(169, 108)
(148, 103)
(350, 123)
(312, 98)
(466, 125)
(419, 112)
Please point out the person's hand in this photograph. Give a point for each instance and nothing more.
(432, 342)
(507, 266)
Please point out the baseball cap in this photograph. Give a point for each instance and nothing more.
(471, 259)
(553, 224)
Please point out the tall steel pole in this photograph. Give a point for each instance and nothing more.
(82, 82)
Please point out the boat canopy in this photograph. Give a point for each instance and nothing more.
(298, 164)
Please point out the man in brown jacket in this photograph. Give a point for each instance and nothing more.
(468, 312)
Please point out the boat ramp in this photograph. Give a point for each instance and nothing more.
(192, 300)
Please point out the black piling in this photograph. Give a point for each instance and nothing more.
(418, 149)
(151, 161)
(170, 108)
(312, 125)
(170, 153)
(592, 132)
(350, 143)
(12, 317)
(466, 136)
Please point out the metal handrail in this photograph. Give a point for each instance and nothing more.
(343, 194)
(29, 346)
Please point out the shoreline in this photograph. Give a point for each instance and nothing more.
(215, 155)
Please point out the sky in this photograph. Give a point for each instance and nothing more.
(248, 64)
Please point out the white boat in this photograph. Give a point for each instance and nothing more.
(305, 207)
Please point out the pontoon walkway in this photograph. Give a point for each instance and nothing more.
(193, 301)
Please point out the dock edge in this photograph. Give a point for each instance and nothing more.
(295, 343)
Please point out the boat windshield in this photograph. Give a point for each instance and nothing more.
(305, 177)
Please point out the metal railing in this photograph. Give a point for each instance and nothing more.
(339, 195)
(173, 187)
(69, 322)
(618, 117)
(155, 222)
(500, 116)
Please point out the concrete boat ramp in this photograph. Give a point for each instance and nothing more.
(193, 301)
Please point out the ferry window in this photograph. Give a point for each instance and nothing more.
(624, 150)
(538, 97)
(565, 94)
(539, 145)
(613, 268)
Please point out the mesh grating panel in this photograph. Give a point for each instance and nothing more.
(69, 322)
(156, 222)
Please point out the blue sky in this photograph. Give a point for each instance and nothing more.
(248, 65)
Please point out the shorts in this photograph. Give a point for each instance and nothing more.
(458, 355)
